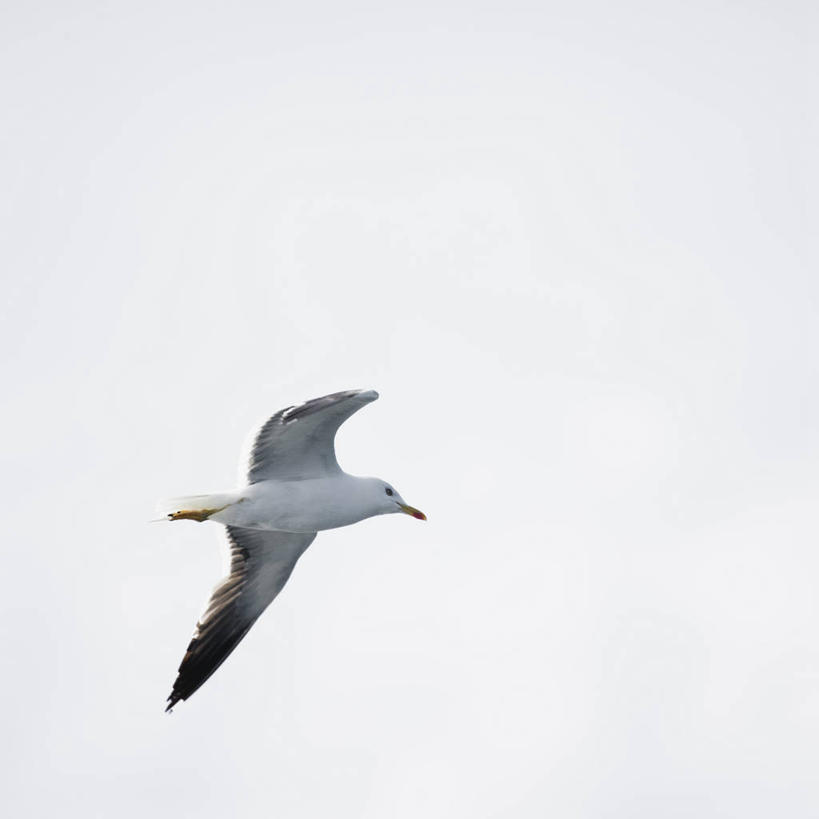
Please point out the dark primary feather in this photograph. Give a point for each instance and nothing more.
(298, 442)
(261, 563)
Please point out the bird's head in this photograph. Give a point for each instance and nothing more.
(387, 500)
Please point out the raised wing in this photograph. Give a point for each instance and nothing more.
(298, 442)
(261, 563)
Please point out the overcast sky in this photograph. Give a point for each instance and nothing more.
(573, 245)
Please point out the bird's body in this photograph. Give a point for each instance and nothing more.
(310, 505)
(295, 489)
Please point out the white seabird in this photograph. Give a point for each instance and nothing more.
(295, 489)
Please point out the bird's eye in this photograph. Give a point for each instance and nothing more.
(388, 491)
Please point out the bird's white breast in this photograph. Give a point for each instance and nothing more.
(298, 506)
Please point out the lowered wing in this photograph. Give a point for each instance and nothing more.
(261, 563)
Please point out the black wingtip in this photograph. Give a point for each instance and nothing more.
(172, 700)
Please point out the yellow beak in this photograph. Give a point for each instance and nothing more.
(411, 510)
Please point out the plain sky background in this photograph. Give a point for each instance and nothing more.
(573, 245)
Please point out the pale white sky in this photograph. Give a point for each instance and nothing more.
(573, 245)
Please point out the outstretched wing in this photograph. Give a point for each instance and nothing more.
(261, 563)
(298, 442)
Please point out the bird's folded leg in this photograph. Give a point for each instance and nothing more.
(196, 514)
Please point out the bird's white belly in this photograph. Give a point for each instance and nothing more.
(293, 506)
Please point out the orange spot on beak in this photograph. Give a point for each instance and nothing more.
(411, 510)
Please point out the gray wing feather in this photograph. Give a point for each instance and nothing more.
(298, 442)
(261, 563)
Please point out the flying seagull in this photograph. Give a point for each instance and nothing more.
(295, 489)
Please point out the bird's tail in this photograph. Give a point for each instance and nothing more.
(195, 507)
